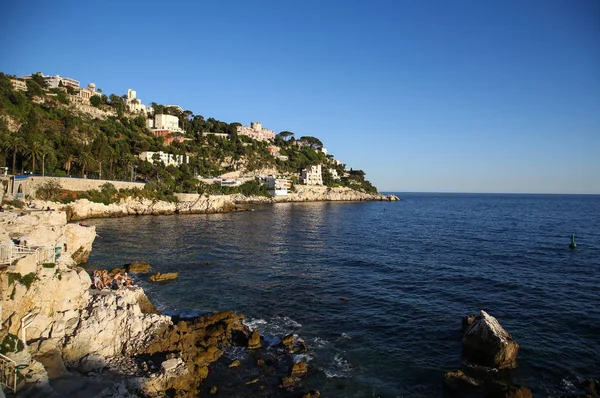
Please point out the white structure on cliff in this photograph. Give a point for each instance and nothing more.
(55, 81)
(135, 104)
(311, 175)
(167, 158)
(256, 132)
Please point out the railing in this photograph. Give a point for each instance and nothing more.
(10, 252)
(8, 373)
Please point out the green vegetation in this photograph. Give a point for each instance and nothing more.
(42, 132)
(49, 190)
(11, 343)
(48, 265)
(16, 203)
(25, 280)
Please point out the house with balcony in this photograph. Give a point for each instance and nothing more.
(278, 186)
(312, 175)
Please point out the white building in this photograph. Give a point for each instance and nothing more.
(279, 186)
(256, 132)
(18, 85)
(135, 104)
(167, 158)
(324, 150)
(335, 175)
(87, 93)
(54, 81)
(166, 122)
(311, 175)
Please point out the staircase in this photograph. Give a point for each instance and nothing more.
(8, 374)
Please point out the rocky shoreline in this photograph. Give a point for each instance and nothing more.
(82, 209)
(113, 341)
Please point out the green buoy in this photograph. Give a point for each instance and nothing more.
(572, 245)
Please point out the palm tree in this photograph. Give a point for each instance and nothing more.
(45, 149)
(69, 162)
(86, 161)
(34, 151)
(17, 144)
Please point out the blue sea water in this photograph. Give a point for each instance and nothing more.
(378, 289)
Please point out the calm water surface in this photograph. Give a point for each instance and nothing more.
(409, 271)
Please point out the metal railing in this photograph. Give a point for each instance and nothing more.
(8, 373)
(10, 252)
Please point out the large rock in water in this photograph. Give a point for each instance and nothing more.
(486, 343)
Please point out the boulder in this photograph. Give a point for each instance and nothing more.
(486, 343)
(139, 267)
(287, 382)
(298, 370)
(254, 341)
(235, 364)
(457, 381)
(169, 276)
(92, 363)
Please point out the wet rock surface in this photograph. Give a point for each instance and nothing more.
(486, 343)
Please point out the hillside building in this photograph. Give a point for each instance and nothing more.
(279, 186)
(18, 85)
(256, 132)
(167, 158)
(311, 175)
(135, 104)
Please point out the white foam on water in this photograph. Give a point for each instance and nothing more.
(345, 336)
(253, 323)
(331, 374)
(234, 353)
(302, 358)
(319, 342)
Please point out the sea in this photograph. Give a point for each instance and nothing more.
(378, 289)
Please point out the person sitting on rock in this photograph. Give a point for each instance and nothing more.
(105, 278)
(98, 280)
(127, 281)
(117, 281)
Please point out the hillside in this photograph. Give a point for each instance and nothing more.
(55, 132)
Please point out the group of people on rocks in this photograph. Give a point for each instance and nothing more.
(101, 279)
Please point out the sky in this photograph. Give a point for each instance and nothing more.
(424, 96)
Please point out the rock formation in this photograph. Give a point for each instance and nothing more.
(486, 343)
(168, 276)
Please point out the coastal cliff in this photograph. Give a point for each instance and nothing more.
(206, 204)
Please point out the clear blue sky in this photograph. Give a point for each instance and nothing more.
(461, 96)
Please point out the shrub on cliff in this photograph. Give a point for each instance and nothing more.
(49, 190)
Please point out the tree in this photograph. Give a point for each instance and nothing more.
(96, 101)
(286, 135)
(86, 161)
(34, 151)
(312, 141)
(17, 144)
(69, 162)
(45, 149)
(39, 80)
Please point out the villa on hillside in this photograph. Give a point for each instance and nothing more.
(135, 104)
(55, 81)
(256, 131)
(167, 158)
(166, 126)
(311, 175)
